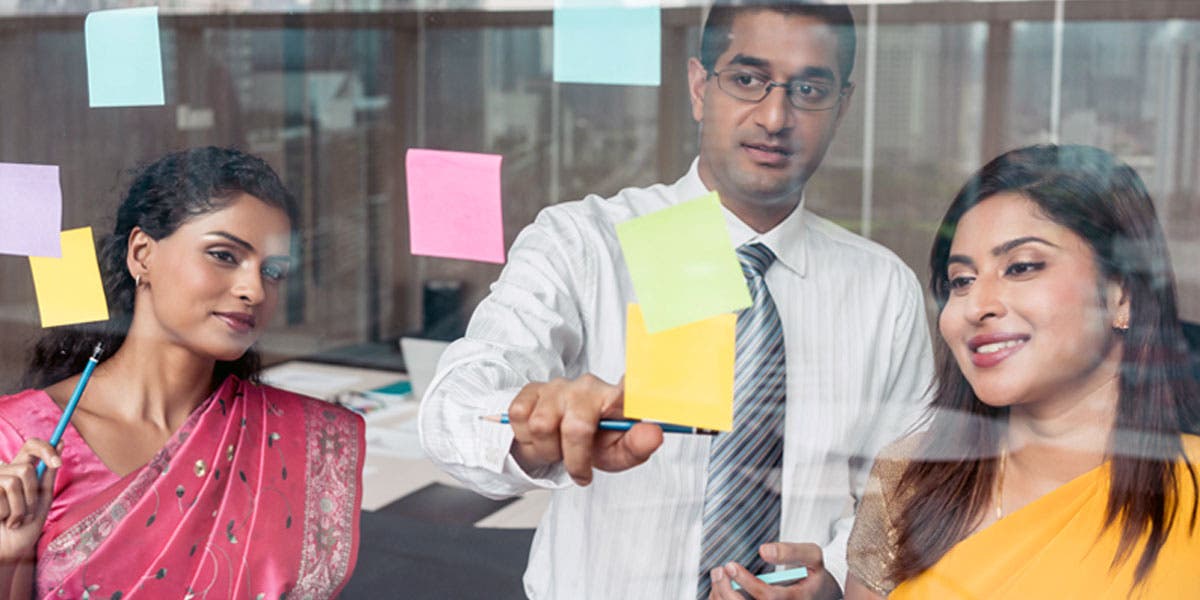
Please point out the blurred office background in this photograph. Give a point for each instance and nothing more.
(333, 92)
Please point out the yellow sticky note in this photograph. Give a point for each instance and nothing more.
(68, 289)
(682, 375)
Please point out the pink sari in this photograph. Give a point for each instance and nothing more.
(257, 495)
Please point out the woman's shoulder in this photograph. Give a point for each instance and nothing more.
(28, 408)
(21, 398)
(899, 453)
(25, 414)
(904, 448)
(890, 464)
(327, 410)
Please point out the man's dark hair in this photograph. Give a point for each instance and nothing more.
(715, 37)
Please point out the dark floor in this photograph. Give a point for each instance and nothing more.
(426, 545)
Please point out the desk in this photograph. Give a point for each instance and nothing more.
(420, 531)
(395, 466)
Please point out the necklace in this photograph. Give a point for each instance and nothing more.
(1000, 483)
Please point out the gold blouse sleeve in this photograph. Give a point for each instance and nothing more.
(872, 545)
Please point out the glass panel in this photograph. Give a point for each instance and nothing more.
(928, 130)
(1132, 88)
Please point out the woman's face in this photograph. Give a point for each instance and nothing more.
(213, 284)
(1026, 320)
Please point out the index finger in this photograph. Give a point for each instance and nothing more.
(614, 405)
(720, 585)
(793, 554)
(519, 410)
(581, 421)
(752, 585)
(35, 449)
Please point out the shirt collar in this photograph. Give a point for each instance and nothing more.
(690, 186)
(786, 239)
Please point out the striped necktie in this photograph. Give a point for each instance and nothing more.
(741, 499)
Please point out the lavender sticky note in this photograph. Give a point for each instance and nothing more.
(454, 205)
(30, 210)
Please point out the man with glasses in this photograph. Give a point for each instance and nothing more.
(832, 360)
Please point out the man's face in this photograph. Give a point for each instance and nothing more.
(760, 154)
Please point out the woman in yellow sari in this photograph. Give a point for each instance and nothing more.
(1059, 457)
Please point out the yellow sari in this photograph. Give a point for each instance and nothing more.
(1055, 547)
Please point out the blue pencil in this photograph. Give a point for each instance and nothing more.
(56, 437)
(623, 425)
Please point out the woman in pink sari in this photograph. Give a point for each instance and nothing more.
(180, 476)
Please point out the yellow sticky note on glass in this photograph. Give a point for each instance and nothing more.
(68, 289)
(682, 263)
(682, 375)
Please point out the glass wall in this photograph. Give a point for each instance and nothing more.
(333, 93)
(1130, 87)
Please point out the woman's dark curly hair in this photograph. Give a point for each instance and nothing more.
(163, 196)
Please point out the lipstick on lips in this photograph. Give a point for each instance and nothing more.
(988, 350)
(238, 321)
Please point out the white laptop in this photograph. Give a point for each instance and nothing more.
(421, 359)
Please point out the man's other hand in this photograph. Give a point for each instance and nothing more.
(819, 585)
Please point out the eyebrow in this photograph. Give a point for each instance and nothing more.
(233, 238)
(809, 72)
(247, 245)
(1010, 245)
(1004, 248)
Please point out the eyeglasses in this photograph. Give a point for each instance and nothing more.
(801, 93)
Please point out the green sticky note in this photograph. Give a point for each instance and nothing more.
(682, 264)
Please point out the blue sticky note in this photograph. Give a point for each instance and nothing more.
(124, 59)
(598, 41)
(786, 577)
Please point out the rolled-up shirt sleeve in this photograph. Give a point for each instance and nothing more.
(529, 328)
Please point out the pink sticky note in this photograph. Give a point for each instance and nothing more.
(454, 205)
(30, 210)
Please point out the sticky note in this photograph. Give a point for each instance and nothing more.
(30, 210)
(683, 375)
(454, 205)
(682, 263)
(602, 41)
(785, 576)
(68, 289)
(124, 60)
